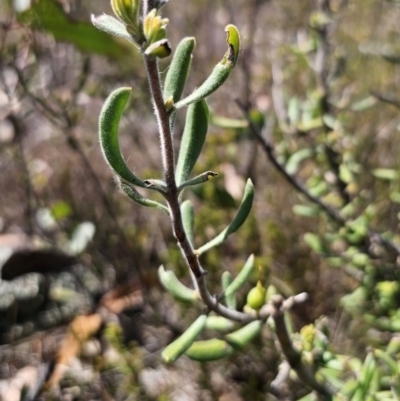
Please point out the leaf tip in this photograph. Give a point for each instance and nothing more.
(233, 40)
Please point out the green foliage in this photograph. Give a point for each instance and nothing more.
(194, 136)
(48, 15)
(108, 130)
(171, 283)
(220, 72)
(239, 219)
(178, 70)
(180, 345)
(317, 156)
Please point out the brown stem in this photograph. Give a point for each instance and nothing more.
(172, 197)
(292, 355)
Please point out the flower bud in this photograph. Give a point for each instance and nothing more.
(256, 296)
(154, 27)
(126, 10)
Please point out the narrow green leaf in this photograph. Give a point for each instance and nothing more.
(306, 211)
(187, 211)
(220, 72)
(178, 71)
(199, 179)
(393, 346)
(296, 158)
(230, 300)
(209, 350)
(108, 129)
(364, 104)
(219, 323)
(172, 284)
(388, 360)
(180, 345)
(112, 26)
(241, 278)
(240, 218)
(193, 138)
(138, 198)
(243, 336)
(386, 174)
(233, 40)
(50, 16)
(225, 122)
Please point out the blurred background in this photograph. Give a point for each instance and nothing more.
(82, 315)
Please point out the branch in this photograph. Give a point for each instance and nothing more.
(267, 147)
(172, 195)
(292, 355)
(386, 98)
(292, 180)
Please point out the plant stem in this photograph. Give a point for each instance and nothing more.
(292, 355)
(172, 197)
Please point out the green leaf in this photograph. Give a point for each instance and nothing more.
(310, 124)
(179, 346)
(354, 301)
(199, 179)
(141, 200)
(241, 278)
(296, 158)
(386, 174)
(240, 218)
(243, 336)
(388, 360)
(112, 26)
(314, 242)
(345, 174)
(209, 350)
(108, 130)
(219, 323)
(178, 70)
(48, 15)
(172, 284)
(306, 211)
(187, 211)
(193, 138)
(233, 40)
(294, 110)
(230, 300)
(220, 72)
(224, 122)
(394, 196)
(364, 104)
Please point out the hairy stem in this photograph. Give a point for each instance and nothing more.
(172, 195)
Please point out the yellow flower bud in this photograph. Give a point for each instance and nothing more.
(126, 10)
(154, 27)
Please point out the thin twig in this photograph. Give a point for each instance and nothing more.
(321, 68)
(331, 212)
(267, 147)
(387, 98)
(292, 355)
(277, 387)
